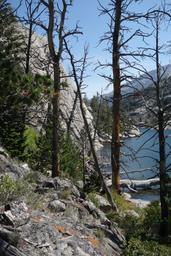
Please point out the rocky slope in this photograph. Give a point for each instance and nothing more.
(51, 217)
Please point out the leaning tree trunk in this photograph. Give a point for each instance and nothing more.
(71, 117)
(115, 145)
(87, 128)
(114, 207)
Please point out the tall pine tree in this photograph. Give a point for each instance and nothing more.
(11, 127)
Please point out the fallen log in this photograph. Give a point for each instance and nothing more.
(8, 250)
(140, 184)
(136, 184)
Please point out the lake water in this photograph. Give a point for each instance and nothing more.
(139, 155)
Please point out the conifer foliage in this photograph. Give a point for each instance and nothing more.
(17, 89)
(10, 80)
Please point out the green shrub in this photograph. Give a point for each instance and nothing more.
(11, 190)
(34, 200)
(93, 199)
(152, 219)
(32, 177)
(122, 204)
(137, 247)
(100, 234)
(14, 190)
(146, 226)
(7, 188)
(113, 216)
(39, 152)
(70, 159)
(65, 194)
(31, 137)
(131, 225)
(139, 230)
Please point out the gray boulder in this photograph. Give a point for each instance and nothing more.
(103, 203)
(11, 167)
(57, 206)
(16, 213)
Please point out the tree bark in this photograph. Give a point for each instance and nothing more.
(115, 145)
(56, 30)
(71, 117)
(164, 227)
(55, 57)
(27, 68)
(161, 137)
(56, 136)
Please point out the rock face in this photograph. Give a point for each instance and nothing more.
(40, 63)
(64, 225)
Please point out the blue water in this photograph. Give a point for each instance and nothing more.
(139, 155)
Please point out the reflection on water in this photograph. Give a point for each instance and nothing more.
(139, 155)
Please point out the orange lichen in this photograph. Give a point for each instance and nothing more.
(64, 230)
(70, 232)
(93, 240)
(60, 229)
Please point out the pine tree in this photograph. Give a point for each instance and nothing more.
(102, 113)
(17, 89)
(10, 76)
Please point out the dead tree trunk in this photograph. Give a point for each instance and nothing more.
(55, 58)
(30, 18)
(163, 178)
(56, 136)
(72, 113)
(158, 110)
(87, 128)
(27, 68)
(56, 77)
(115, 145)
(118, 37)
(97, 118)
(56, 30)
(161, 138)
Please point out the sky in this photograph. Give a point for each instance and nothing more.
(93, 26)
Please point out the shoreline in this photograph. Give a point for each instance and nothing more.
(133, 133)
(142, 199)
(142, 196)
